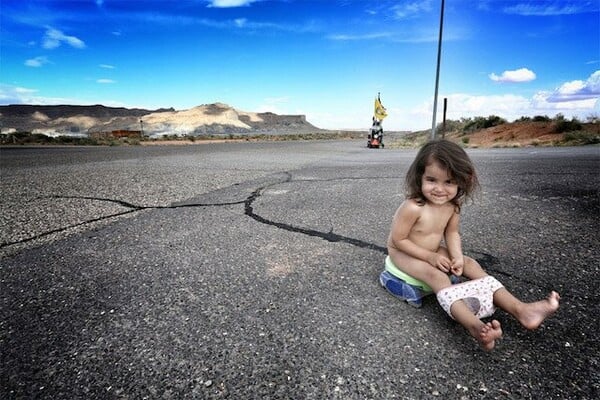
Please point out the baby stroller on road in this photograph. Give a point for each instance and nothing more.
(375, 137)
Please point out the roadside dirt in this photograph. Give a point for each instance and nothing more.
(520, 134)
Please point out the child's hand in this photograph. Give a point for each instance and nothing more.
(440, 262)
(457, 266)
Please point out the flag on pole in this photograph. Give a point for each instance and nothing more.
(380, 112)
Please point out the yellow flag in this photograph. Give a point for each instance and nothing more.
(380, 112)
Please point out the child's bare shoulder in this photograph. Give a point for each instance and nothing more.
(409, 206)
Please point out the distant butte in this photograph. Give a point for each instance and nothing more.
(207, 119)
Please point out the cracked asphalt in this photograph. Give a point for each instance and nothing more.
(250, 270)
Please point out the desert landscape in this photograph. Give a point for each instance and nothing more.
(98, 120)
(101, 125)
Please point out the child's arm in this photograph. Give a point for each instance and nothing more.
(453, 242)
(404, 220)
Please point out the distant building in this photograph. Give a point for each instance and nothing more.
(125, 133)
(120, 133)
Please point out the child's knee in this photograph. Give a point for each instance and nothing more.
(472, 262)
(473, 269)
(438, 279)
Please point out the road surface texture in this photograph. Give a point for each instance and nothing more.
(250, 271)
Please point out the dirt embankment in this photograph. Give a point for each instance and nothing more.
(515, 134)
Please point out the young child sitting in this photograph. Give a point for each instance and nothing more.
(439, 180)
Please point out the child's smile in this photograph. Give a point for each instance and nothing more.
(437, 184)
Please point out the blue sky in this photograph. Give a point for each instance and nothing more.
(326, 59)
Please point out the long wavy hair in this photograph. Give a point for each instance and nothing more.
(454, 159)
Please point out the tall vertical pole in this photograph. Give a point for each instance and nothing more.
(444, 119)
(437, 72)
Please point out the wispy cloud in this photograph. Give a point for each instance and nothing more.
(237, 23)
(230, 3)
(37, 61)
(543, 9)
(274, 105)
(22, 95)
(410, 9)
(516, 76)
(416, 36)
(53, 38)
(105, 81)
(107, 66)
(366, 36)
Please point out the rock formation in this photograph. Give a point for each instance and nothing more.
(209, 119)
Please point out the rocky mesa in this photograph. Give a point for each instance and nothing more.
(207, 119)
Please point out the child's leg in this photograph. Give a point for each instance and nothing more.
(421, 270)
(486, 334)
(472, 269)
(530, 315)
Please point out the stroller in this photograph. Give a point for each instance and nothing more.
(375, 137)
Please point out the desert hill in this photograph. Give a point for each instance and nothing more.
(494, 131)
(208, 119)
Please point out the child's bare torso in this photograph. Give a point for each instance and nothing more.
(429, 228)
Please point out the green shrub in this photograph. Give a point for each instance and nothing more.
(562, 125)
(580, 138)
(541, 118)
(523, 119)
(477, 123)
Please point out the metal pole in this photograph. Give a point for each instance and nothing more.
(437, 72)
(444, 120)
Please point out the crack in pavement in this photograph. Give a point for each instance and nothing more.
(248, 210)
(64, 228)
(132, 209)
(328, 236)
(483, 258)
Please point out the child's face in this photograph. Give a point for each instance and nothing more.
(437, 184)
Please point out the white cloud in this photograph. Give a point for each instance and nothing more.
(230, 3)
(53, 38)
(409, 9)
(240, 22)
(367, 36)
(572, 99)
(105, 81)
(466, 105)
(545, 9)
(107, 66)
(577, 90)
(570, 88)
(273, 104)
(519, 75)
(22, 95)
(37, 61)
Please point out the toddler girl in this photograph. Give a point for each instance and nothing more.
(439, 180)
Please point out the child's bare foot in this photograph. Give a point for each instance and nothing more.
(532, 315)
(487, 334)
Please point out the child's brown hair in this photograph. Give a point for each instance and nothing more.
(454, 159)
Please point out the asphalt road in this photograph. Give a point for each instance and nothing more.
(250, 271)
